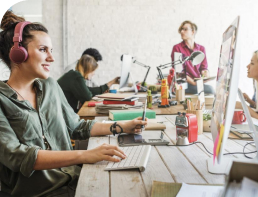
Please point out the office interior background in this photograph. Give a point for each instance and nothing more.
(146, 29)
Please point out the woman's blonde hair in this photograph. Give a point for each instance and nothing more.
(193, 26)
(85, 65)
(256, 53)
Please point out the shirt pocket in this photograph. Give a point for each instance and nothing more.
(23, 126)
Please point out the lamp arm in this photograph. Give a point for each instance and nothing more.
(141, 64)
(160, 73)
(170, 64)
(146, 76)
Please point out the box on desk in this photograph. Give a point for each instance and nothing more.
(130, 114)
(238, 171)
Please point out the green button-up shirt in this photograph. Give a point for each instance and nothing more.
(21, 137)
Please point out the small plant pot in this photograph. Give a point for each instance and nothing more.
(207, 125)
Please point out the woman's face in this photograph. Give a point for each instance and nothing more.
(39, 56)
(252, 68)
(187, 32)
(90, 75)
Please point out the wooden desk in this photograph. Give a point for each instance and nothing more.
(90, 113)
(166, 163)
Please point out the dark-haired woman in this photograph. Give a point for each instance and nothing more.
(73, 83)
(36, 122)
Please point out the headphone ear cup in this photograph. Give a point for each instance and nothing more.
(18, 55)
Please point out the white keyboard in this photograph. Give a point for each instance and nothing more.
(137, 157)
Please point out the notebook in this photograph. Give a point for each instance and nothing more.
(137, 158)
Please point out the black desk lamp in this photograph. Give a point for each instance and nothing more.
(148, 69)
(143, 65)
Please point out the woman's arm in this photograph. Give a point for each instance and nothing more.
(57, 159)
(250, 101)
(132, 126)
(190, 80)
(252, 112)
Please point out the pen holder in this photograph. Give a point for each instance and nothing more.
(199, 116)
(180, 95)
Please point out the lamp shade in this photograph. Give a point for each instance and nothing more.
(196, 57)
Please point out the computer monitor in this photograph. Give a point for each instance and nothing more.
(125, 70)
(225, 97)
(126, 73)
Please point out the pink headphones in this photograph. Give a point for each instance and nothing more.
(18, 53)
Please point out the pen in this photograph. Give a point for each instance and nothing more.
(144, 112)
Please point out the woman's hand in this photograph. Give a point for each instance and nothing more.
(205, 73)
(133, 126)
(103, 152)
(114, 81)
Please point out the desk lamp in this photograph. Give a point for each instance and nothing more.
(196, 58)
(148, 69)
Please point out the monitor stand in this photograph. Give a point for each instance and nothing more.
(225, 163)
(134, 83)
(224, 166)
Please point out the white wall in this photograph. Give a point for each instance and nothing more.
(146, 29)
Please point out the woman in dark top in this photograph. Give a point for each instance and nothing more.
(73, 83)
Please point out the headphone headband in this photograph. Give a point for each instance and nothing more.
(18, 31)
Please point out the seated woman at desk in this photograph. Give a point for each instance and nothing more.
(97, 57)
(36, 122)
(252, 72)
(73, 83)
(188, 31)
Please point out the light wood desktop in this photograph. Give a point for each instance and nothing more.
(166, 163)
(89, 113)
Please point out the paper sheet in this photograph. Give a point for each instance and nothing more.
(200, 191)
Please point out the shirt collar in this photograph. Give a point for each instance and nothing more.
(9, 92)
(6, 90)
(196, 46)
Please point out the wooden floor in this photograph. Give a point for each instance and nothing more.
(166, 163)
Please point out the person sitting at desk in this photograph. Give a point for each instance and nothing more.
(188, 31)
(73, 83)
(252, 72)
(97, 57)
(36, 121)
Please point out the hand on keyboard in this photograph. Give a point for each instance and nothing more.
(138, 157)
(103, 152)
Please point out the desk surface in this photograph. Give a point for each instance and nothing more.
(166, 163)
(90, 113)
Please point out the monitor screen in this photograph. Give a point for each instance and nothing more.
(226, 87)
(125, 70)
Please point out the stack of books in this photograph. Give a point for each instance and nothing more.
(117, 102)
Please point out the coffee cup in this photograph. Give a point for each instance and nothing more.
(238, 117)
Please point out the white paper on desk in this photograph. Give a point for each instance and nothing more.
(200, 191)
(249, 188)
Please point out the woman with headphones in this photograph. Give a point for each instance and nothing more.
(36, 122)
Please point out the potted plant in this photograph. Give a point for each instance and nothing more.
(153, 89)
(207, 122)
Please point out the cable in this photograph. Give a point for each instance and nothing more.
(233, 153)
(244, 150)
